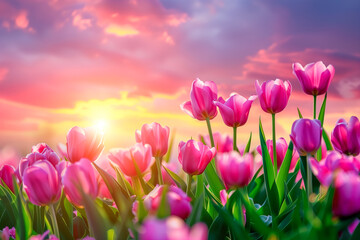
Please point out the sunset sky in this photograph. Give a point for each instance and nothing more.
(120, 63)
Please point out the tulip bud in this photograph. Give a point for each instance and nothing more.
(156, 136)
(346, 136)
(172, 228)
(42, 183)
(6, 174)
(178, 201)
(306, 136)
(194, 156)
(80, 178)
(273, 95)
(84, 143)
(128, 159)
(235, 170)
(315, 78)
(346, 200)
(201, 105)
(235, 110)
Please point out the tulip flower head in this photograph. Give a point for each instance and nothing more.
(235, 110)
(6, 174)
(273, 95)
(346, 200)
(202, 96)
(178, 201)
(79, 178)
(42, 183)
(172, 228)
(194, 156)
(128, 159)
(84, 143)
(346, 136)
(306, 136)
(235, 170)
(315, 78)
(156, 136)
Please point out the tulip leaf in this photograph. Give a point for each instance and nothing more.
(171, 144)
(117, 192)
(164, 209)
(199, 185)
(218, 229)
(299, 113)
(195, 215)
(327, 141)
(322, 111)
(9, 208)
(178, 180)
(269, 175)
(247, 148)
(213, 178)
(284, 171)
(23, 223)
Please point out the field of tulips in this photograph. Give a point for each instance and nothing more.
(303, 186)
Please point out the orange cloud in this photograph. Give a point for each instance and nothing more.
(121, 31)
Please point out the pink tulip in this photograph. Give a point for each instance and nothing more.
(80, 178)
(201, 105)
(156, 136)
(306, 135)
(172, 228)
(353, 226)
(346, 200)
(62, 150)
(42, 183)
(326, 169)
(281, 148)
(223, 143)
(235, 170)
(315, 78)
(103, 162)
(126, 158)
(178, 201)
(6, 174)
(346, 136)
(194, 156)
(39, 152)
(235, 110)
(84, 143)
(7, 232)
(273, 95)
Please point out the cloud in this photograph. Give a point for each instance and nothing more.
(121, 31)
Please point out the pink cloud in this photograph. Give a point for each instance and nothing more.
(22, 20)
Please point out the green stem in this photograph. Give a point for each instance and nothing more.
(188, 187)
(210, 132)
(309, 176)
(234, 139)
(158, 166)
(54, 221)
(315, 106)
(274, 143)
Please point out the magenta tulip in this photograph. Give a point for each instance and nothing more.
(6, 174)
(84, 143)
(281, 148)
(326, 169)
(315, 78)
(127, 159)
(346, 200)
(44, 236)
(42, 183)
(235, 170)
(306, 136)
(235, 110)
(178, 201)
(8, 233)
(201, 105)
(346, 136)
(223, 143)
(156, 136)
(273, 95)
(172, 228)
(194, 156)
(79, 178)
(39, 152)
